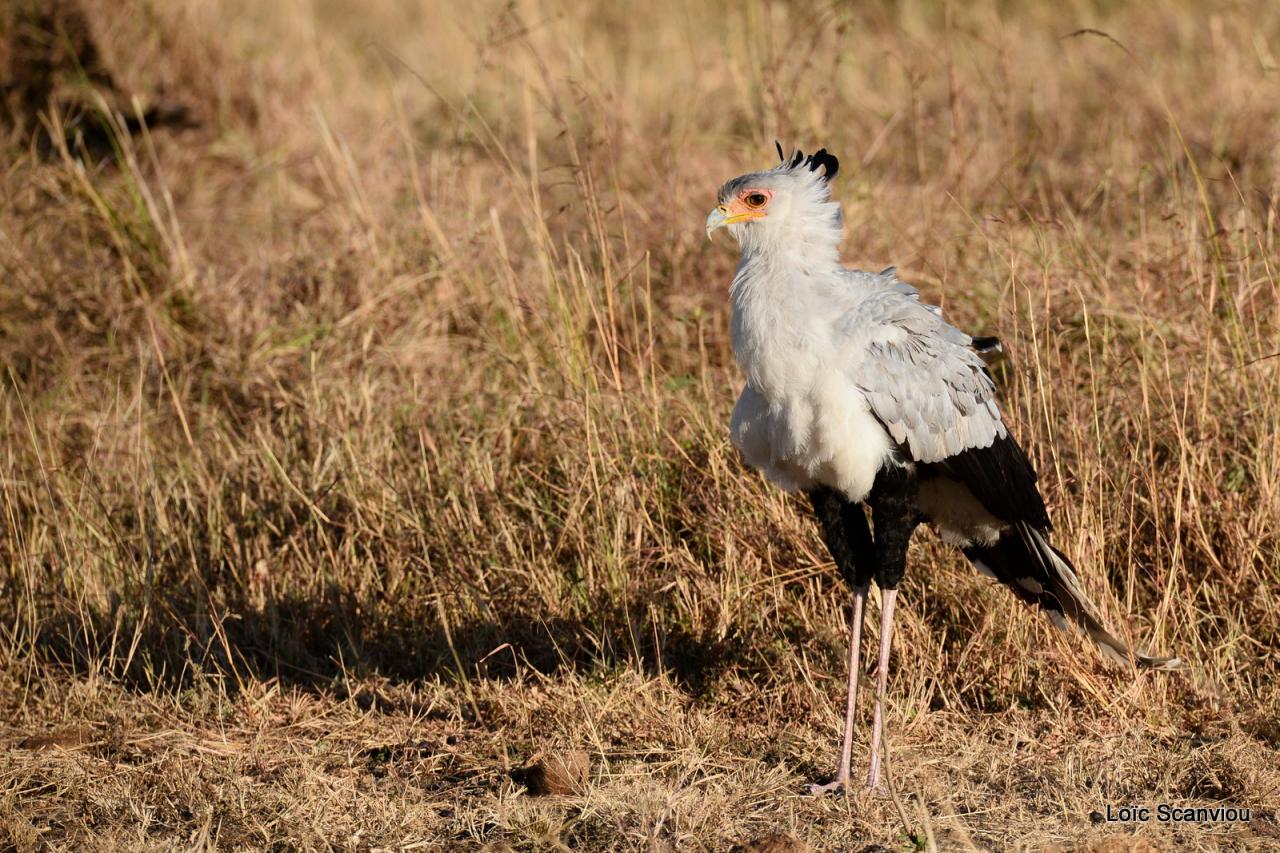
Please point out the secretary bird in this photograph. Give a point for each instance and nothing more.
(859, 393)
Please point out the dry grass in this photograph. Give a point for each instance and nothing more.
(363, 431)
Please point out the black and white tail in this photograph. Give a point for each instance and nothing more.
(1041, 575)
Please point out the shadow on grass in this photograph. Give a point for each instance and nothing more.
(332, 639)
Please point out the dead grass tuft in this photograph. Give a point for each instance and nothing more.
(774, 843)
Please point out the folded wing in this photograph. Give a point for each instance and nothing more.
(927, 383)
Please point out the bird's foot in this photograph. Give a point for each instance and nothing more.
(838, 786)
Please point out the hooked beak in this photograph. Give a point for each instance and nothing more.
(720, 216)
(717, 218)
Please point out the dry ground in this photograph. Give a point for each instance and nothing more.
(363, 427)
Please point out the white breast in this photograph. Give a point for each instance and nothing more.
(767, 441)
(801, 420)
(849, 444)
(824, 436)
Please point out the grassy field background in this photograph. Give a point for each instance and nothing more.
(363, 427)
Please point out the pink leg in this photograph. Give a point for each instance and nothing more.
(855, 656)
(882, 676)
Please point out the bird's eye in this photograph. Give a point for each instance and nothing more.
(755, 199)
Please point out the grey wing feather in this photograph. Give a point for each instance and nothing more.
(921, 378)
(941, 407)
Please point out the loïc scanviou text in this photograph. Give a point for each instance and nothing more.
(1166, 813)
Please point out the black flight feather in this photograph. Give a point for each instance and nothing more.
(987, 344)
(1002, 478)
(1038, 573)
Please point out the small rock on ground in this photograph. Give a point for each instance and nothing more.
(561, 773)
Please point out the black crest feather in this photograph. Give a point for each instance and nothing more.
(829, 163)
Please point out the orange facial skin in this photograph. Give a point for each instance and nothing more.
(749, 204)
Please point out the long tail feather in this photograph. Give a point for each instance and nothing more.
(1041, 575)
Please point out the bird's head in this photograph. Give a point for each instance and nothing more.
(790, 202)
